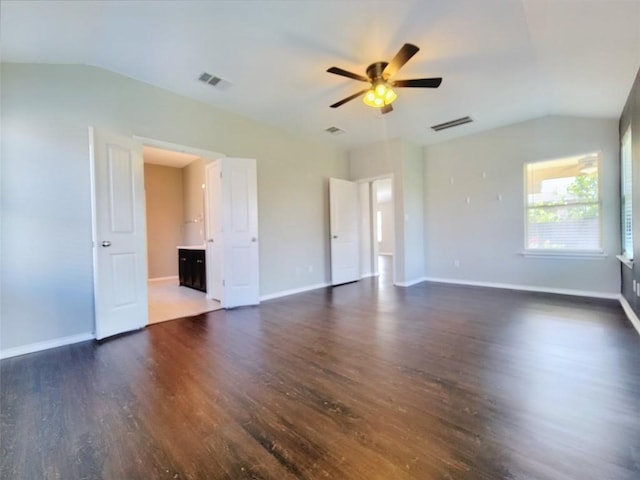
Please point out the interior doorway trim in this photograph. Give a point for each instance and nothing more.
(207, 155)
(372, 222)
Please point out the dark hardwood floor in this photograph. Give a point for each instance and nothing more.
(356, 382)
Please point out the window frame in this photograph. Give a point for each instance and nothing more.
(624, 196)
(563, 252)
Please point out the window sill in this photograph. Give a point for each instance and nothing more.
(625, 260)
(564, 255)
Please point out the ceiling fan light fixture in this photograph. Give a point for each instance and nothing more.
(379, 95)
(379, 76)
(389, 96)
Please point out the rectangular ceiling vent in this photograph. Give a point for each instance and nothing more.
(334, 131)
(214, 81)
(452, 123)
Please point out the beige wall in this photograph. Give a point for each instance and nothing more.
(164, 198)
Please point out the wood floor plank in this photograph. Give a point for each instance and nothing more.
(363, 381)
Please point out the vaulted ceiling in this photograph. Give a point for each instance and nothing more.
(502, 61)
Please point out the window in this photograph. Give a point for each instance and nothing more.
(563, 205)
(625, 199)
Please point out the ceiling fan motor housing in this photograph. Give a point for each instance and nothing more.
(374, 71)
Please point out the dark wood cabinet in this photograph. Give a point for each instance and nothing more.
(192, 269)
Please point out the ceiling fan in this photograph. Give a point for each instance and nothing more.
(379, 93)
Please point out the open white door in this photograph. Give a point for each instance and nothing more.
(344, 226)
(213, 214)
(119, 243)
(240, 267)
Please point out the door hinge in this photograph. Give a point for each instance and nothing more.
(223, 283)
(220, 174)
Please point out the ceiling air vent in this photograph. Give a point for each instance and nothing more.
(214, 81)
(452, 123)
(334, 131)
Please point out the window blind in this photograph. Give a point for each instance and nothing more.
(563, 204)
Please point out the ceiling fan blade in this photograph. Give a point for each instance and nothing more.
(406, 52)
(419, 83)
(386, 109)
(344, 73)
(348, 99)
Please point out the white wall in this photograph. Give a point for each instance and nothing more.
(366, 246)
(386, 211)
(487, 235)
(413, 210)
(193, 215)
(46, 277)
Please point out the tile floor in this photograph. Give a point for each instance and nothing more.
(168, 301)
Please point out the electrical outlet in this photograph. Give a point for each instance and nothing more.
(456, 263)
(310, 268)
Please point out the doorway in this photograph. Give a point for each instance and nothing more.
(382, 212)
(120, 236)
(377, 229)
(174, 194)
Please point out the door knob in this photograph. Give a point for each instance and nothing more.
(210, 240)
(106, 243)
(335, 236)
(253, 239)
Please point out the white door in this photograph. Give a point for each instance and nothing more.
(213, 214)
(240, 268)
(344, 225)
(119, 235)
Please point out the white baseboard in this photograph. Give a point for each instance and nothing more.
(526, 288)
(410, 282)
(370, 274)
(293, 291)
(631, 315)
(46, 345)
(386, 254)
(161, 279)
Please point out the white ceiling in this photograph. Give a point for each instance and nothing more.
(502, 61)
